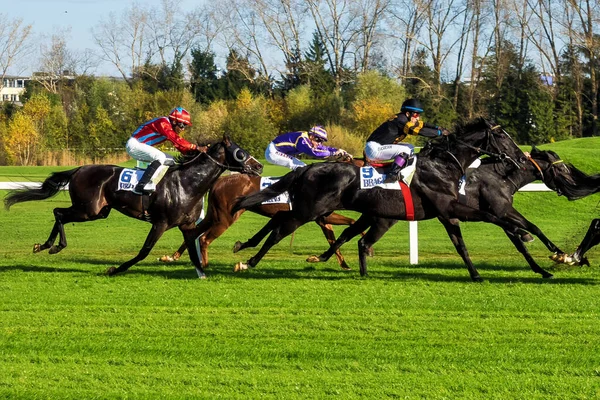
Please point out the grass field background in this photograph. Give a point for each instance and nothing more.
(289, 329)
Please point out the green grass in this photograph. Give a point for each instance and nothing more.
(289, 329)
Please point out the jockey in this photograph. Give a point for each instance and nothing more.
(283, 149)
(141, 144)
(384, 143)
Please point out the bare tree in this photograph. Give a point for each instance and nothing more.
(371, 14)
(14, 35)
(244, 32)
(441, 18)
(56, 62)
(122, 40)
(587, 16)
(405, 17)
(543, 35)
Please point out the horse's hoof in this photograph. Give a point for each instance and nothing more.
(54, 249)
(313, 259)
(37, 248)
(237, 246)
(110, 271)
(240, 267)
(370, 252)
(201, 274)
(548, 275)
(584, 262)
(345, 267)
(166, 259)
(561, 258)
(477, 278)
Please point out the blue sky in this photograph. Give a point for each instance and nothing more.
(49, 16)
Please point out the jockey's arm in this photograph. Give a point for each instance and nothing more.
(180, 143)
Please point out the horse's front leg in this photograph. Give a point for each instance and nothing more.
(350, 232)
(193, 245)
(517, 218)
(455, 235)
(258, 236)
(516, 240)
(286, 226)
(155, 233)
(379, 227)
(591, 239)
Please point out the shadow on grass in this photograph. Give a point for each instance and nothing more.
(38, 268)
(180, 270)
(428, 271)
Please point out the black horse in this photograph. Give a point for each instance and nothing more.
(319, 189)
(491, 188)
(176, 202)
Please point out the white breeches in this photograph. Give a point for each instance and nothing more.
(276, 157)
(383, 152)
(147, 153)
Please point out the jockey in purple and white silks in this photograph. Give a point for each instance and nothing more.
(284, 148)
(385, 141)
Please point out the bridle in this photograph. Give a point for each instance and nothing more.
(490, 141)
(233, 168)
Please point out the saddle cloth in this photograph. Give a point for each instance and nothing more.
(283, 198)
(130, 177)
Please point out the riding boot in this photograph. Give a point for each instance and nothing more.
(150, 170)
(394, 174)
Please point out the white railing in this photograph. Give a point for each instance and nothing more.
(412, 225)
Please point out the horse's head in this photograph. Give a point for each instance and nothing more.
(237, 159)
(487, 138)
(562, 177)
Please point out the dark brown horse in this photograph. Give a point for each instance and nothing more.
(219, 217)
(176, 202)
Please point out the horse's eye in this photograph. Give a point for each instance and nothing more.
(239, 155)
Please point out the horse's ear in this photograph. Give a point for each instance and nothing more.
(534, 149)
(226, 139)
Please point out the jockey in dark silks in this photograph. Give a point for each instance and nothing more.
(283, 149)
(385, 142)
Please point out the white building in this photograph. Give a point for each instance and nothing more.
(12, 88)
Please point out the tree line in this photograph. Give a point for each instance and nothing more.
(531, 66)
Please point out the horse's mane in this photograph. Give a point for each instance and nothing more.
(476, 124)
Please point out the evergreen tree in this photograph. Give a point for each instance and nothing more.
(314, 72)
(239, 75)
(204, 80)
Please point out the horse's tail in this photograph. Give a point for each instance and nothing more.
(50, 187)
(282, 185)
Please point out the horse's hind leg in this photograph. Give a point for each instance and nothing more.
(455, 234)
(64, 216)
(153, 236)
(379, 227)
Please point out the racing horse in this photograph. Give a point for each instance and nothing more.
(219, 217)
(176, 202)
(491, 188)
(319, 189)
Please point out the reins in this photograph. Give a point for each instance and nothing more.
(229, 167)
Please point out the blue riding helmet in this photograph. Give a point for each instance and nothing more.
(412, 105)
